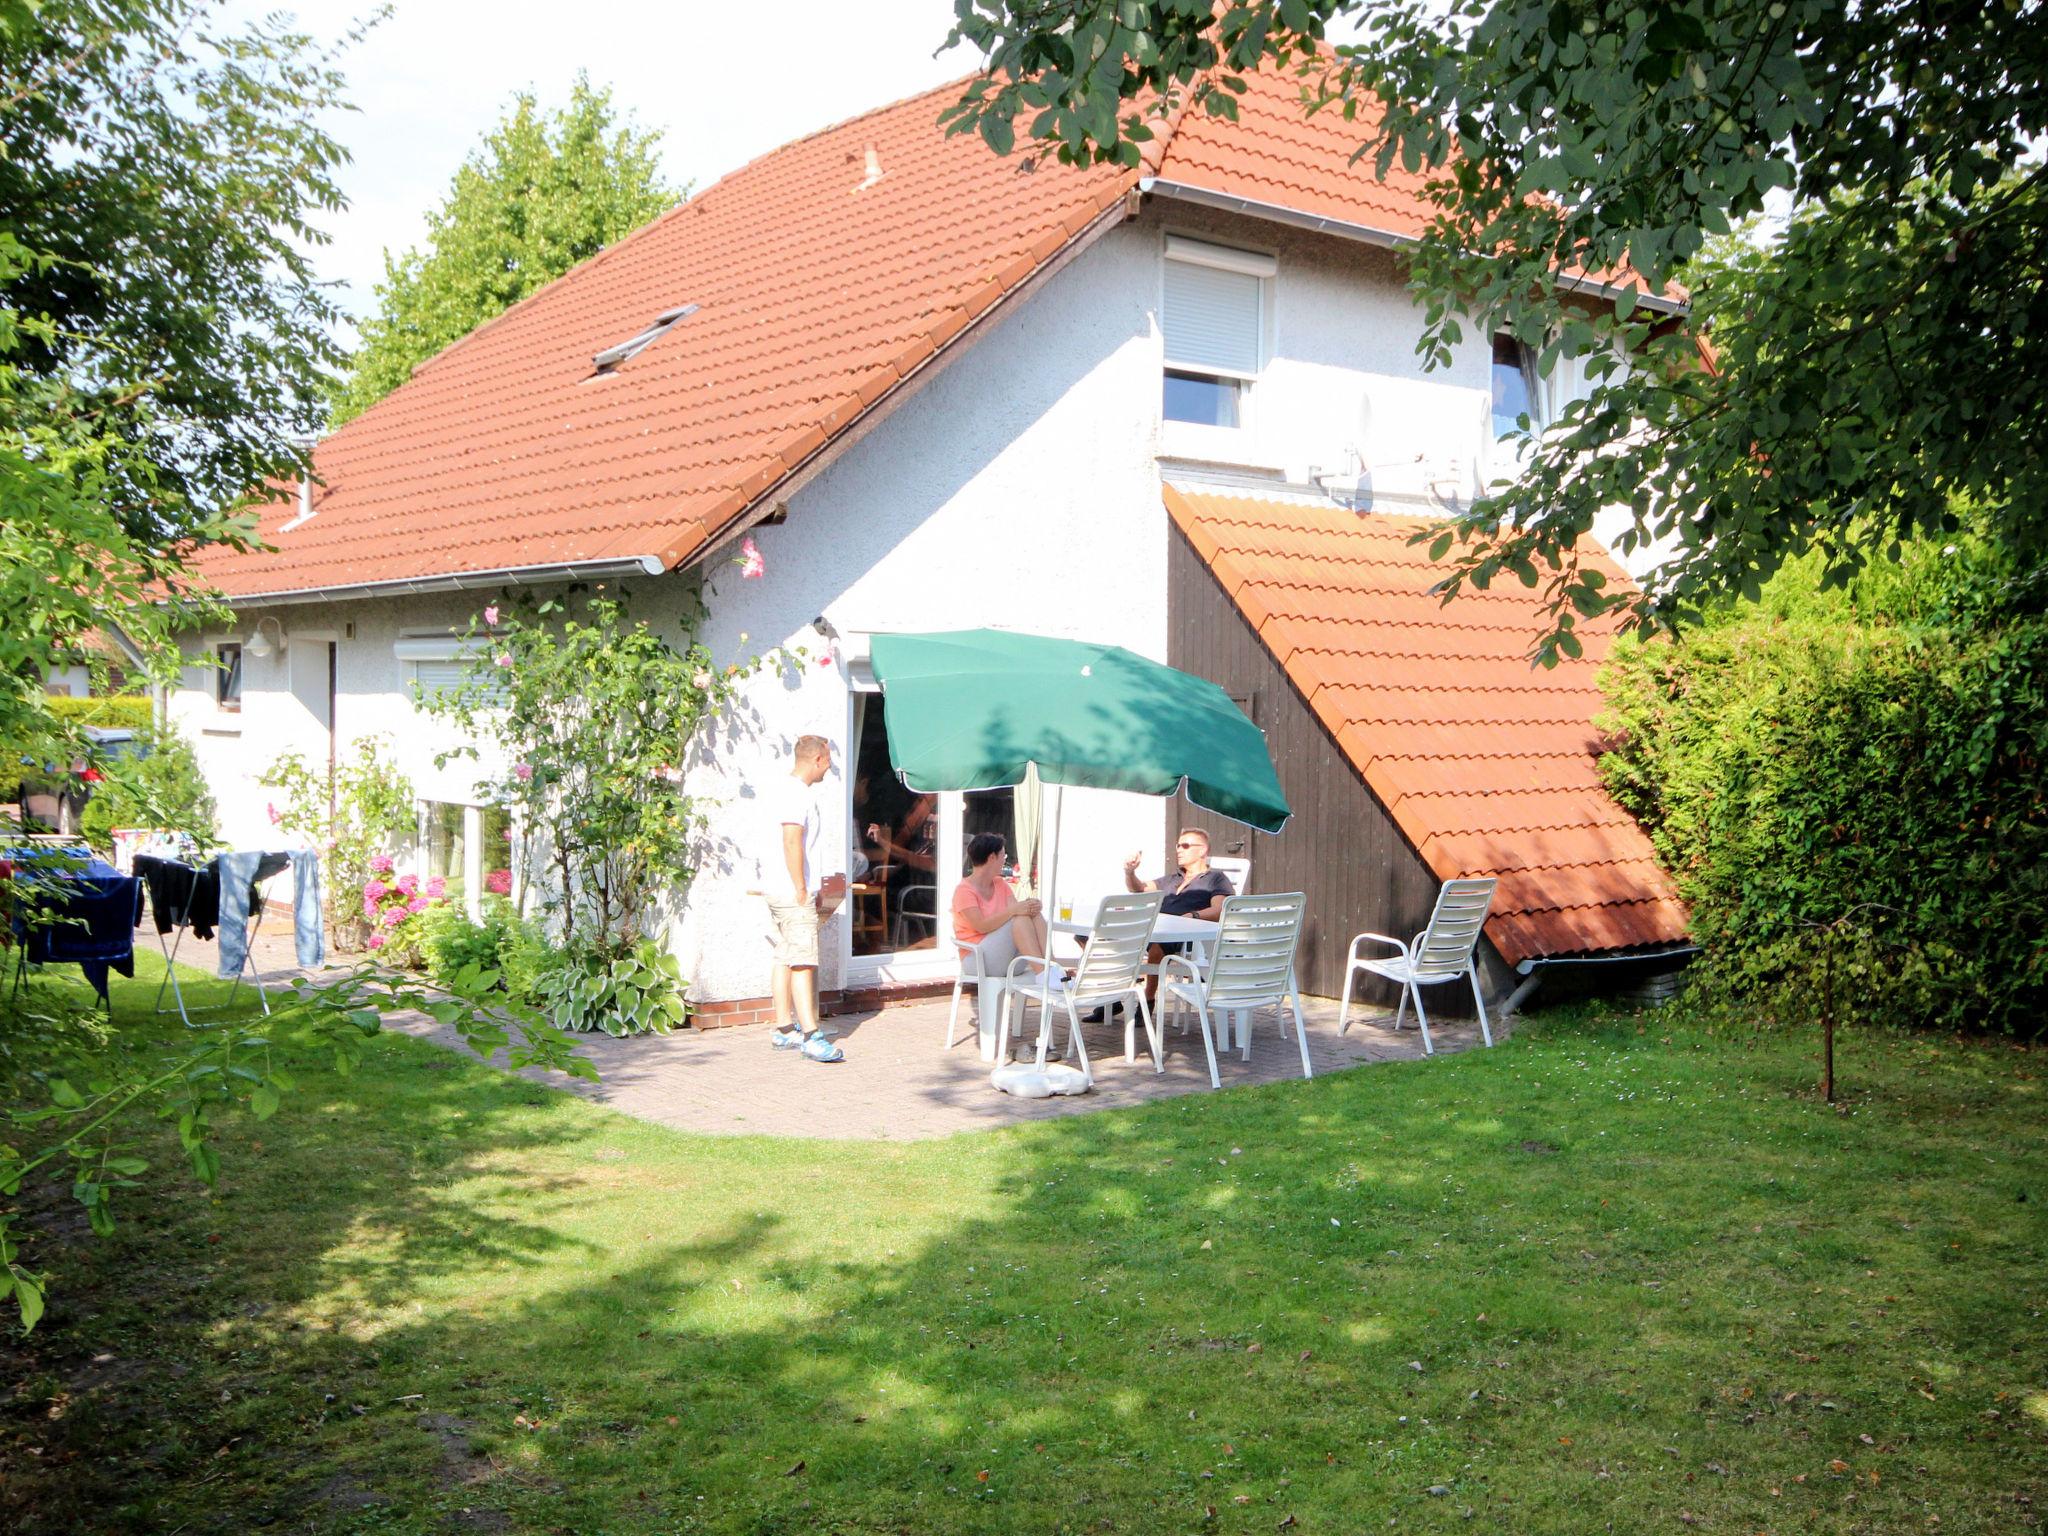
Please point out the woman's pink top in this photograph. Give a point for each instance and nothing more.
(973, 918)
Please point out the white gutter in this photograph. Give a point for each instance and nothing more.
(459, 581)
(1181, 191)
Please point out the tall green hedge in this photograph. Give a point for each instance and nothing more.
(1795, 767)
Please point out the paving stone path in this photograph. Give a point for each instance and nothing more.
(899, 1082)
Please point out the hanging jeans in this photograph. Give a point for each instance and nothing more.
(240, 872)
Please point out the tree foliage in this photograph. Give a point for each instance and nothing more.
(162, 342)
(544, 192)
(1888, 367)
(162, 337)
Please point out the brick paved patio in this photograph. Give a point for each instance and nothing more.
(898, 1082)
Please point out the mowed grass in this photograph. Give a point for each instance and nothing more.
(1619, 1274)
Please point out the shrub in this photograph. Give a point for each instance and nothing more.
(593, 712)
(1818, 765)
(354, 816)
(161, 787)
(501, 943)
(396, 909)
(115, 711)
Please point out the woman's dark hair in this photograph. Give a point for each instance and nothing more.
(981, 847)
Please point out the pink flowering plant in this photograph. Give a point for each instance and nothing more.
(395, 910)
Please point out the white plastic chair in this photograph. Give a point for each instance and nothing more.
(970, 969)
(1240, 872)
(1444, 951)
(1109, 975)
(1251, 966)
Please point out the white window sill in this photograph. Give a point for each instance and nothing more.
(1233, 446)
(221, 728)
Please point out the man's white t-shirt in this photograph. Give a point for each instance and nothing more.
(788, 801)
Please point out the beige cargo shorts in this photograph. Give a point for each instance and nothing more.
(795, 925)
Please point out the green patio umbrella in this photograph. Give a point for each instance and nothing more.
(974, 708)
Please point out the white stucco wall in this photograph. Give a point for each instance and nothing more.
(1018, 488)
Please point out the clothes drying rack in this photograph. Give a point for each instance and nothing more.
(181, 924)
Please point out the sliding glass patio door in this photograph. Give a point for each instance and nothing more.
(908, 852)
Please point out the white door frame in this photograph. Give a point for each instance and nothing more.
(903, 965)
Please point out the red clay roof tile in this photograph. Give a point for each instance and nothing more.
(1487, 766)
(817, 294)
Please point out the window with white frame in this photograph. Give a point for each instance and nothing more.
(1517, 391)
(468, 847)
(1213, 321)
(440, 663)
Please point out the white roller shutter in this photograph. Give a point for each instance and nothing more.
(1212, 319)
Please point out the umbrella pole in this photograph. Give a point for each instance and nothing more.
(1048, 900)
(1052, 855)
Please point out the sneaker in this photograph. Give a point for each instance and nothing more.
(818, 1048)
(785, 1039)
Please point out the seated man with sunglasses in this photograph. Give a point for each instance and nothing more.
(1192, 890)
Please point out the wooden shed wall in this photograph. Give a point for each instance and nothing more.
(1342, 847)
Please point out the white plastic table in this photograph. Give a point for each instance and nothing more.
(1196, 932)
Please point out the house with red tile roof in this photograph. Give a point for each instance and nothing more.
(1175, 407)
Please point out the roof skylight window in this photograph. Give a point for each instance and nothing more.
(611, 357)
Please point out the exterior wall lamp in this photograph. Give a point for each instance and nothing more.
(258, 644)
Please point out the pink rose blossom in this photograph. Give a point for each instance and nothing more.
(437, 887)
(499, 882)
(381, 863)
(523, 772)
(376, 941)
(504, 658)
(751, 562)
(491, 613)
(701, 682)
(271, 809)
(375, 890)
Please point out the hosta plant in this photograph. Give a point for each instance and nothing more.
(636, 993)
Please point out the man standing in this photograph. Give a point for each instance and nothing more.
(789, 856)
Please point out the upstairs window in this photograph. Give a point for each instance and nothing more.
(227, 676)
(1213, 320)
(1515, 392)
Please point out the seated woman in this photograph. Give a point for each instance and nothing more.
(987, 915)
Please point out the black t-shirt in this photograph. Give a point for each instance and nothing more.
(1188, 894)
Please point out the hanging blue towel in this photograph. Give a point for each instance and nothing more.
(85, 919)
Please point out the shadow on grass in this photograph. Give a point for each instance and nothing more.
(1567, 1283)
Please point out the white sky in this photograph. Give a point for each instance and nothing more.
(724, 82)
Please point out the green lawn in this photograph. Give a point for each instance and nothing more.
(1619, 1274)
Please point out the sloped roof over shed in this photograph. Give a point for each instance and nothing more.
(1487, 765)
